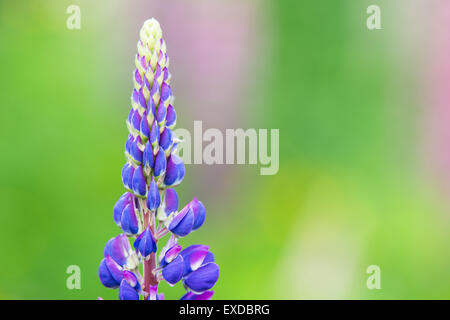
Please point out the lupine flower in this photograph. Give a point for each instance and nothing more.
(148, 210)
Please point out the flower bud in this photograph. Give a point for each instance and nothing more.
(153, 198)
(202, 279)
(182, 222)
(144, 128)
(148, 158)
(154, 134)
(151, 111)
(138, 183)
(166, 139)
(174, 172)
(128, 145)
(160, 163)
(129, 221)
(127, 176)
(171, 117)
(145, 244)
(136, 152)
(136, 122)
(119, 206)
(161, 115)
(199, 213)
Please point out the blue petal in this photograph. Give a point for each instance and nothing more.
(199, 213)
(175, 171)
(119, 206)
(127, 292)
(136, 152)
(148, 158)
(160, 163)
(161, 112)
(118, 248)
(154, 134)
(182, 223)
(138, 183)
(173, 272)
(145, 243)
(153, 198)
(129, 221)
(105, 276)
(136, 121)
(202, 279)
(144, 128)
(166, 139)
(171, 116)
(170, 201)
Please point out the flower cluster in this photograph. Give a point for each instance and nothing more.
(148, 211)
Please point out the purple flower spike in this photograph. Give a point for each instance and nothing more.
(148, 158)
(199, 213)
(171, 117)
(150, 171)
(145, 243)
(119, 206)
(129, 221)
(153, 198)
(174, 172)
(145, 130)
(202, 296)
(181, 224)
(138, 183)
(173, 272)
(154, 134)
(127, 292)
(202, 279)
(136, 152)
(160, 163)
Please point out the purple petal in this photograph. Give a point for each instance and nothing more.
(171, 116)
(139, 185)
(127, 292)
(153, 199)
(182, 223)
(173, 272)
(204, 278)
(129, 221)
(199, 213)
(175, 171)
(160, 163)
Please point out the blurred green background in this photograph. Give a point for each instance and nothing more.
(353, 189)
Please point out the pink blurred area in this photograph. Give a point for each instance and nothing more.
(437, 94)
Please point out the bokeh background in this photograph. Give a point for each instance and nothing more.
(363, 115)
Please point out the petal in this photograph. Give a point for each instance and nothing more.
(129, 221)
(173, 272)
(119, 206)
(175, 171)
(199, 213)
(105, 276)
(204, 278)
(138, 182)
(127, 292)
(148, 158)
(160, 163)
(153, 199)
(171, 116)
(182, 223)
(202, 296)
